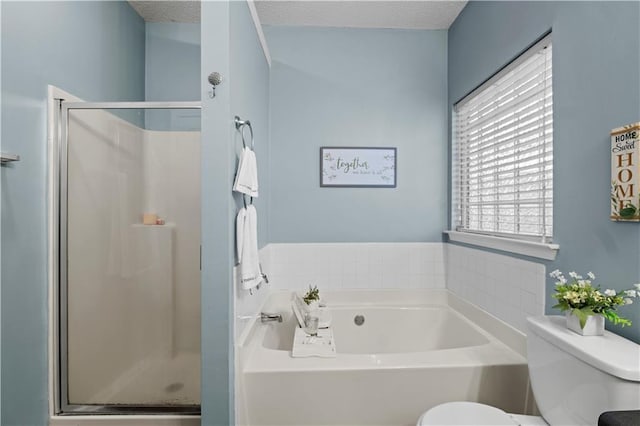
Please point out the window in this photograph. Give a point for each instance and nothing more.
(503, 152)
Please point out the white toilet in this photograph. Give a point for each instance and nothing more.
(574, 379)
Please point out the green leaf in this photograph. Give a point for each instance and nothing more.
(311, 295)
(627, 212)
(583, 314)
(587, 310)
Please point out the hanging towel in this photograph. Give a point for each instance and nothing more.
(247, 247)
(246, 180)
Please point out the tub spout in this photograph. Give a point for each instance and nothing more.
(265, 317)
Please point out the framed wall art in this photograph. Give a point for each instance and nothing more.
(625, 173)
(357, 167)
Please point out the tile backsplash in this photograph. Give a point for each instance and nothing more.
(508, 288)
(357, 265)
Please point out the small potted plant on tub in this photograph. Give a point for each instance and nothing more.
(312, 298)
(312, 318)
(586, 306)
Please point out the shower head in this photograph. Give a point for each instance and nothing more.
(214, 79)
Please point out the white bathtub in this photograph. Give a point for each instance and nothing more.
(415, 350)
(388, 330)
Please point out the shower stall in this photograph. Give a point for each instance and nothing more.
(128, 265)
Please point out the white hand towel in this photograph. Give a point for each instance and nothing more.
(246, 180)
(242, 171)
(247, 247)
(240, 221)
(253, 167)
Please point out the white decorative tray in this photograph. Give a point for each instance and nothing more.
(321, 345)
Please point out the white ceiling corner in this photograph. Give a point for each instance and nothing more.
(401, 14)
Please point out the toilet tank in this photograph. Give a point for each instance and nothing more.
(576, 378)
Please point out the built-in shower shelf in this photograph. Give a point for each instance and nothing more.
(7, 158)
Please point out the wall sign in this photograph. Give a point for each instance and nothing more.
(625, 173)
(352, 167)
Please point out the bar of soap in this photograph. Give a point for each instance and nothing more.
(149, 219)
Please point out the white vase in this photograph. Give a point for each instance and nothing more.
(593, 327)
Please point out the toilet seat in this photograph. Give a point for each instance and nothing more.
(466, 413)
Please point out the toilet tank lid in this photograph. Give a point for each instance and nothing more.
(610, 353)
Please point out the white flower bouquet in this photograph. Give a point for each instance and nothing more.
(580, 297)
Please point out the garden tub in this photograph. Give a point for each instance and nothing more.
(414, 350)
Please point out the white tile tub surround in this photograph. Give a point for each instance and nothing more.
(508, 288)
(357, 265)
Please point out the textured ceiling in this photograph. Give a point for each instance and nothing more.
(168, 11)
(420, 14)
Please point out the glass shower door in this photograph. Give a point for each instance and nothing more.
(130, 253)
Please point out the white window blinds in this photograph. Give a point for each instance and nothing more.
(503, 152)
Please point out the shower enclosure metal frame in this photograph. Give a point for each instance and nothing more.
(60, 298)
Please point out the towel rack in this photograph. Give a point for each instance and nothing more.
(7, 158)
(240, 125)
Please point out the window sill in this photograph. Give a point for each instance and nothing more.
(527, 248)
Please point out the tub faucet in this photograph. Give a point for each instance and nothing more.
(265, 317)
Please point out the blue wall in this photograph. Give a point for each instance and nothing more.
(217, 222)
(250, 101)
(172, 61)
(596, 64)
(229, 46)
(357, 87)
(172, 73)
(94, 50)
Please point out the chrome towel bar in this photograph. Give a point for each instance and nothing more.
(240, 125)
